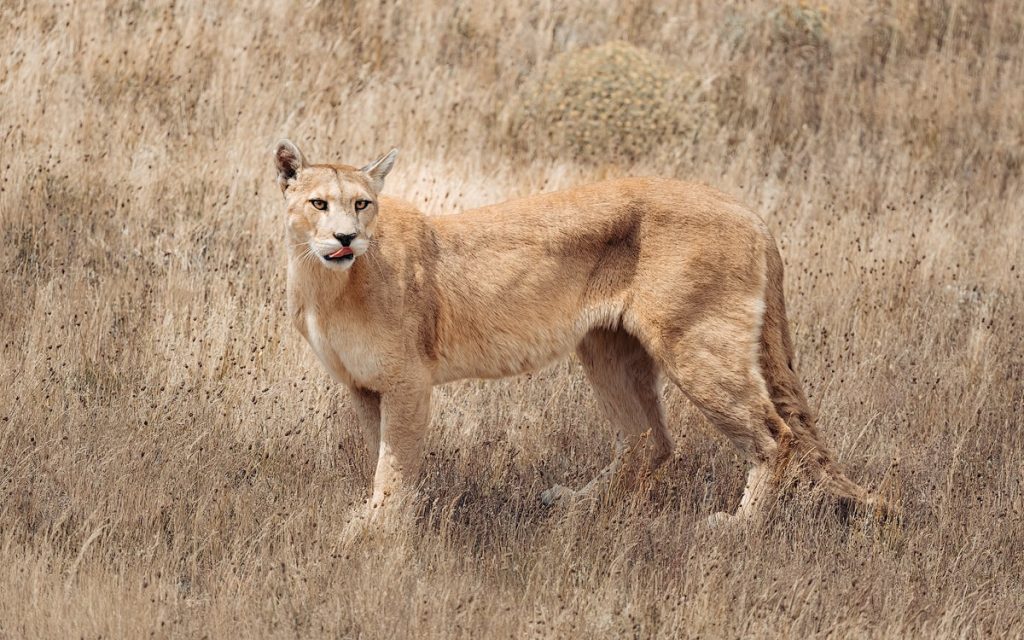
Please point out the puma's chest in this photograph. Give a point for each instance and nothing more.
(347, 352)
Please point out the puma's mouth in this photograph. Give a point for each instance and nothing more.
(342, 254)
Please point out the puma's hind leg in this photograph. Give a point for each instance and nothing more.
(719, 372)
(625, 380)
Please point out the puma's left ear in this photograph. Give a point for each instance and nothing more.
(377, 170)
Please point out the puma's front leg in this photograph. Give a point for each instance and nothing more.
(404, 413)
(366, 404)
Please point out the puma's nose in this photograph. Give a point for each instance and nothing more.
(345, 238)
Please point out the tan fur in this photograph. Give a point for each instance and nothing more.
(640, 276)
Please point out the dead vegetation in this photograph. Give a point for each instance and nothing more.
(174, 463)
(611, 102)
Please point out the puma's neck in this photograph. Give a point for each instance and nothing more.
(315, 288)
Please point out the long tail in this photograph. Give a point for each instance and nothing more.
(809, 450)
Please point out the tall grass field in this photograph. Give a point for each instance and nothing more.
(174, 463)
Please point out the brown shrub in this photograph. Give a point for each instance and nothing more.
(610, 102)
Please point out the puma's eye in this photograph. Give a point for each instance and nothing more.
(320, 205)
(362, 204)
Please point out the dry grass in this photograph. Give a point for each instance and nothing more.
(174, 463)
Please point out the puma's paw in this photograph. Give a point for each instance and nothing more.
(720, 520)
(555, 494)
(374, 520)
(358, 524)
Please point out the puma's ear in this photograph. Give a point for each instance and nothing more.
(377, 170)
(289, 160)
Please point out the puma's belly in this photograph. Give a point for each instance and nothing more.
(527, 345)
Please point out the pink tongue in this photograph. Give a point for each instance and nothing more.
(344, 251)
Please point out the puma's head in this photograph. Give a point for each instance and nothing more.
(332, 208)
